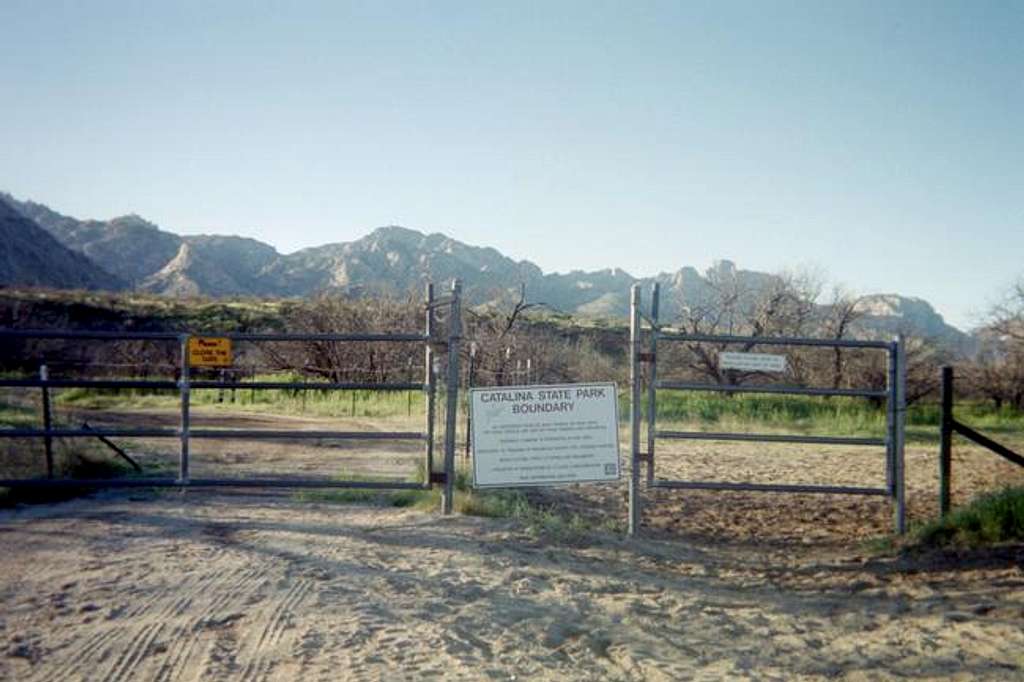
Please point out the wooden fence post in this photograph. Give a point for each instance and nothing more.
(946, 441)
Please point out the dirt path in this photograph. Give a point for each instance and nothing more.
(255, 458)
(220, 586)
(198, 586)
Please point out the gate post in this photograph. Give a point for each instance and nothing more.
(428, 384)
(890, 419)
(946, 441)
(184, 387)
(44, 376)
(454, 334)
(652, 377)
(634, 411)
(899, 469)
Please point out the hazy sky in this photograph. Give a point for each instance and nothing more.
(879, 141)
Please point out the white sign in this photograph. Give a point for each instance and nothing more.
(752, 362)
(545, 435)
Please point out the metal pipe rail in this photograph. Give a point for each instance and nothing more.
(305, 435)
(212, 434)
(769, 487)
(396, 337)
(86, 334)
(185, 385)
(773, 340)
(787, 390)
(155, 385)
(234, 336)
(168, 385)
(771, 438)
(92, 432)
(308, 385)
(143, 482)
(894, 395)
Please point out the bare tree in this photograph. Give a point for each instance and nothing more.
(730, 306)
(998, 370)
(841, 313)
(1007, 318)
(500, 338)
(340, 361)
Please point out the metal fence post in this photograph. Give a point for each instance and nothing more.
(899, 460)
(890, 420)
(44, 376)
(946, 441)
(469, 386)
(634, 410)
(452, 389)
(430, 396)
(652, 377)
(185, 390)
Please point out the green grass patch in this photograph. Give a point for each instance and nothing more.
(813, 415)
(325, 403)
(701, 411)
(539, 519)
(18, 416)
(989, 519)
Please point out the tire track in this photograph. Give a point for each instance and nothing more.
(135, 652)
(185, 637)
(77, 656)
(72, 662)
(259, 665)
(191, 583)
(138, 646)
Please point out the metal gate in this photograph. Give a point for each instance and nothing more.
(894, 395)
(185, 384)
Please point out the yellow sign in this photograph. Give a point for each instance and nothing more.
(209, 351)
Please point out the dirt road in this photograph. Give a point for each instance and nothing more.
(221, 586)
(209, 586)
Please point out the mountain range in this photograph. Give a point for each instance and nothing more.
(42, 247)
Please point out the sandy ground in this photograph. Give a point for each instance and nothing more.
(220, 585)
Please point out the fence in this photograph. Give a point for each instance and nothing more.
(185, 434)
(949, 426)
(894, 395)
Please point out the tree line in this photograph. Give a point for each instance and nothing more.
(525, 341)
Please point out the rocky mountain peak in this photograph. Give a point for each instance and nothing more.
(396, 260)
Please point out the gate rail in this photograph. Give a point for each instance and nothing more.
(894, 394)
(185, 384)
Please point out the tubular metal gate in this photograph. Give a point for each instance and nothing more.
(184, 433)
(894, 395)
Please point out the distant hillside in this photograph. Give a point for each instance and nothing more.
(398, 261)
(154, 260)
(29, 256)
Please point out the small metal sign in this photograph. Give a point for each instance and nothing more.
(210, 351)
(752, 362)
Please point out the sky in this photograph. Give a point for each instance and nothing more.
(877, 142)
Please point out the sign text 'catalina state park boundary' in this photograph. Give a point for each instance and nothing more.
(544, 435)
